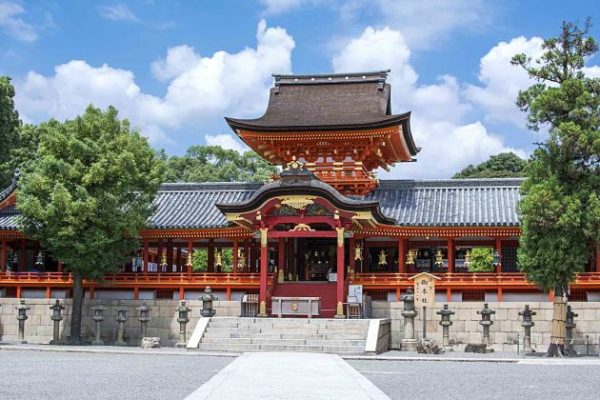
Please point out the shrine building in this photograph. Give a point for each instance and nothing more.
(324, 223)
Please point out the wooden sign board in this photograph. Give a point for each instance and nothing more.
(424, 289)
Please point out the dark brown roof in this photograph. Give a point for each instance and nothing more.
(337, 101)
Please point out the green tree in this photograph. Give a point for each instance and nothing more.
(87, 194)
(9, 128)
(200, 260)
(482, 260)
(503, 165)
(560, 209)
(215, 164)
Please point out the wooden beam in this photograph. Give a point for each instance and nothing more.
(451, 255)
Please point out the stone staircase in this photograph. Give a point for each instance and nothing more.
(231, 334)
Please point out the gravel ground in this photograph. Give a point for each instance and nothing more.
(52, 375)
(475, 381)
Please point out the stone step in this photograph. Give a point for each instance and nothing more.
(360, 344)
(229, 347)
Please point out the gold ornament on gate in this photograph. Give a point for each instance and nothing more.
(410, 257)
(439, 258)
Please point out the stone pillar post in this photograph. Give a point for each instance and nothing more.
(409, 313)
(143, 317)
(56, 317)
(98, 317)
(183, 311)
(570, 325)
(527, 323)
(445, 322)
(486, 322)
(121, 319)
(22, 317)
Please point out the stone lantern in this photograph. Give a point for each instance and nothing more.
(570, 325)
(183, 310)
(98, 317)
(121, 319)
(527, 323)
(486, 321)
(22, 317)
(207, 299)
(143, 317)
(445, 322)
(409, 313)
(56, 318)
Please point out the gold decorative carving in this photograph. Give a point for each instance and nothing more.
(340, 236)
(297, 202)
(294, 307)
(263, 237)
(302, 228)
(294, 164)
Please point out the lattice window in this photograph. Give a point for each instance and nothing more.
(509, 259)
(578, 295)
(378, 295)
(473, 295)
(164, 294)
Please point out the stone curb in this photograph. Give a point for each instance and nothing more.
(526, 361)
(113, 350)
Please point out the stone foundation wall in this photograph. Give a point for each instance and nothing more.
(507, 324)
(163, 323)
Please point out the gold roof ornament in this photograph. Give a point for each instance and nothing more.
(358, 252)
(294, 164)
(163, 261)
(219, 259)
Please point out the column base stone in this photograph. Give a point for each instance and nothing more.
(408, 345)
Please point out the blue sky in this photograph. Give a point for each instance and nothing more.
(176, 68)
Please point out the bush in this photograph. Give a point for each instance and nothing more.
(482, 260)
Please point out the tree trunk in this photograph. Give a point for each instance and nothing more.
(559, 331)
(75, 338)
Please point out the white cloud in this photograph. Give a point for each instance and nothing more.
(501, 81)
(13, 25)
(226, 141)
(592, 72)
(118, 12)
(200, 89)
(273, 7)
(448, 142)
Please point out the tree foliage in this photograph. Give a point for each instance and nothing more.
(87, 194)
(560, 209)
(200, 260)
(503, 165)
(9, 128)
(215, 164)
(482, 260)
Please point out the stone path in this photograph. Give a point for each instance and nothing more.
(303, 376)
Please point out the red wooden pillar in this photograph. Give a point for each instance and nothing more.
(451, 256)
(178, 263)
(48, 292)
(211, 255)
(235, 256)
(22, 255)
(91, 292)
(159, 256)
(3, 257)
(145, 256)
(136, 293)
(190, 254)
(169, 255)
(281, 255)
(340, 274)
(500, 294)
(402, 255)
(247, 255)
(228, 293)
(448, 295)
(598, 258)
(262, 296)
(181, 293)
(351, 254)
(499, 250)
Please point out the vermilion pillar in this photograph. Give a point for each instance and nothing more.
(179, 267)
(281, 255)
(145, 256)
(235, 256)
(262, 296)
(499, 250)
(451, 255)
(159, 256)
(3, 257)
(340, 273)
(402, 255)
(211, 255)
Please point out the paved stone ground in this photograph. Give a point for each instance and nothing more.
(65, 376)
(529, 379)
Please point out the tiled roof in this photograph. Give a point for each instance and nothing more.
(456, 202)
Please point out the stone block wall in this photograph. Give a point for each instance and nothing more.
(163, 323)
(507, 323)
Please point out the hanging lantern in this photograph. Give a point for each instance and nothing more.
(496, 258)
(189, 262)
(241, 260)
(410, 257)
(15, 257)
(467, 258)
(358, 252)
(163, 262)
(439, 258)
(39, 259)
(382, 257)
(219, 259)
